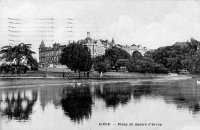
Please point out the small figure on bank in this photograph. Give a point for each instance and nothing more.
(68, 74)
(101, 75)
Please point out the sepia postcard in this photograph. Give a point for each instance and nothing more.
(99, 64)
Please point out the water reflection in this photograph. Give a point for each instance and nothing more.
(143, 90)
(77, 103)
(18, 104)
(114, 94)
(184, 94)
(50, 95)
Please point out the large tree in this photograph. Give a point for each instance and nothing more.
(17, 55)
(77, 57)
(177, 57)
(113, 54)
(136, 55)
(101, 64)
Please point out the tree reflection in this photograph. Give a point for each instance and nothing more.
(18, 104)
(142, 90)
(184, 94)
(183, 101)
(195, 108)
(114, 94)
(77, 103)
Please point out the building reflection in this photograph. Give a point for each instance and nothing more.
(77, 103)
(114, 94)
(49, 95)
(17, 104)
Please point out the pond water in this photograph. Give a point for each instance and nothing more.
(101, 105)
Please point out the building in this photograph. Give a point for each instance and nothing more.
(50, 55)
(132, 48)
(97, 47)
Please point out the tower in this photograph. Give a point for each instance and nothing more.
(42, 45)
(113, 41)
(41, 50)
(88, 34)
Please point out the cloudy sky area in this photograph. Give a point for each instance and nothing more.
(150, 23)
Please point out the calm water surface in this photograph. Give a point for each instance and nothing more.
(125, 105)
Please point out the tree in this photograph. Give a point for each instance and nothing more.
(121, 63)
(115, 53)
(6, 53)
(17, 54)
(136, 55)
(131, 65)
(101, 64)
(145, 66)
(180, 56)
(34, 64)
(77, 57)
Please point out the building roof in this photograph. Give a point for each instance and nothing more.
(42, 45)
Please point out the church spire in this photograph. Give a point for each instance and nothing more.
(113, 41)
(42, 45)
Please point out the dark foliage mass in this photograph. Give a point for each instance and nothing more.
(175, 58)
(136, 55)
(77, 57)
(113, 55)
(116, 58)
(180, 56)
(144, 64)
(13, 69)
(77, 103)
(16, 55)
(101, 64)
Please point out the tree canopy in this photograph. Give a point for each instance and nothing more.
(77, 57)
(17, 55)
(136, 55)
(101, 64)
(114, 53)
(180, 56)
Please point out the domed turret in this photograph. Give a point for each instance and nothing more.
(88, 38)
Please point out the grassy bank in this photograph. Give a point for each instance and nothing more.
(73, 75)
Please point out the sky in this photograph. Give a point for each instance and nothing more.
(150, 23)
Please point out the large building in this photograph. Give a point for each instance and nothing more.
(132, 48)
(50, 55)
(97, 47)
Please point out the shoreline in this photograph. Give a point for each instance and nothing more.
(95, 76)
(42, 82)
